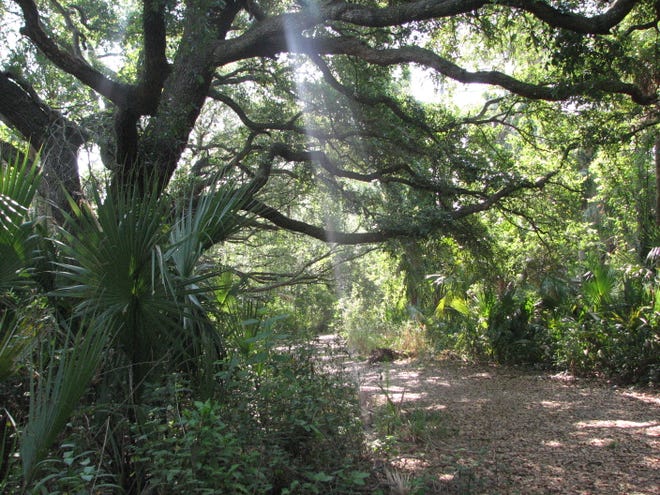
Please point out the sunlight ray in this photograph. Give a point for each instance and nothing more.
(331, 207)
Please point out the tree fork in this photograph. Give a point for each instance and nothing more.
(184, 91)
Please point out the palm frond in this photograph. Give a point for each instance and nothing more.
(19, 182)
(18, 185)
(15, 339)
(198, 225)
(124, 265)
(111, 272)
(201, 224)
(57, 389)
(599, 285)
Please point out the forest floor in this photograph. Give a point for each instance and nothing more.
(444, 426)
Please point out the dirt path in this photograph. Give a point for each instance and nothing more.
(447, 427)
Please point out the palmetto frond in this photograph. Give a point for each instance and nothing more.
(56, 388)
(203, 223)
(132, 264)
(112, 273)
(18, 185)
(198, 225)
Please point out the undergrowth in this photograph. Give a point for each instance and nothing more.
(276, 423)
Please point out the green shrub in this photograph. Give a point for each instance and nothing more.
(613, 328)
(277, 421)
(607, 322)
(514, 333)
(73, 472)
(305, 417)
(199, 454)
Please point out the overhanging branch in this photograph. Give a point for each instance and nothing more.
(120, 94)
(331, 236)
(268, 36)
(441, 223)
(427, 58)
(429, 9)
(284, 33)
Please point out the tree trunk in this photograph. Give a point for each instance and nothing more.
(47, 131)
(184, 92)
(59, 163)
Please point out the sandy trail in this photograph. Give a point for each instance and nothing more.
(447, 427)
(495, 430)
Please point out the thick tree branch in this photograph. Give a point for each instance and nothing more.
(22, 109)
(154, 73)
(442, 221)
(427, 58)
(598, 24)
(352, 238)
(433, 9)
(184, 90)
(259, 40)
(429, 9)
(156, 67)
(121, 94)
(283, 33)
(330, 236)
(46, 130)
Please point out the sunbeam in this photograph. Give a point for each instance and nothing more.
(331, 207)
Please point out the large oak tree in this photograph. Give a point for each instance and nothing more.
(307, 97)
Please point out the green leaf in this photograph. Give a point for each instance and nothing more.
(320, 477)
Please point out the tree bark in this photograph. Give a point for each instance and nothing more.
(184, 92)
(55, 137)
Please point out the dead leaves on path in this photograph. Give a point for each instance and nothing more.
(447, 427)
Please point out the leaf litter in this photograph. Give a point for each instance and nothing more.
(448, 427)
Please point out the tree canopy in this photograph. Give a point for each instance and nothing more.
(309, 103)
